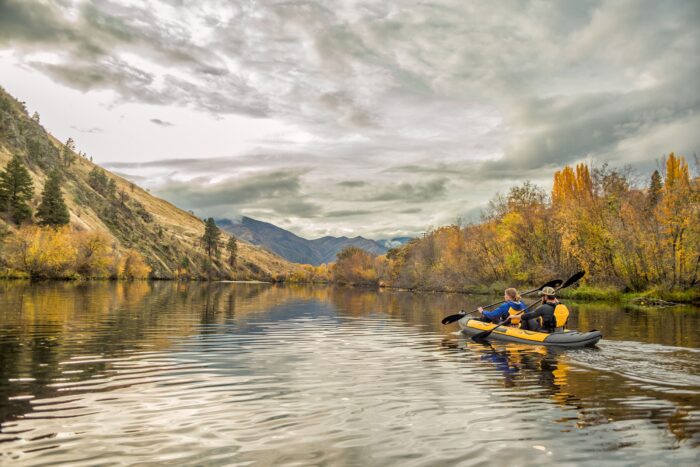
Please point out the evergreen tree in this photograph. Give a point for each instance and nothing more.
(232, 248)
(68, 150)
(655, 189)
(53, 210)
(16, 190)
(210, 239)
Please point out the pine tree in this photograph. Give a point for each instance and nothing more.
(16, 190)
(655, 188)
(68, 150)
(232, 248)
(210, 239)
(53, 210)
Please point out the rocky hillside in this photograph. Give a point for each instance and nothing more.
(168, 237)
(292, 247)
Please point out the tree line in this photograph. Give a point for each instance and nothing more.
(629, 235)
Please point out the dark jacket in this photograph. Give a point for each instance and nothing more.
(546, 312)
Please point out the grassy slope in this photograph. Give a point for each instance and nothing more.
(156, 228)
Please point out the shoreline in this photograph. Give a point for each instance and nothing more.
(584, 293)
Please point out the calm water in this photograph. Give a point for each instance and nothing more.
(258, 374)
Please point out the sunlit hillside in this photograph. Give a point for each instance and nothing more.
(132, 218)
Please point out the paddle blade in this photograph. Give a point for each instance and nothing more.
(452, 318)
(484, 334)
(553, 284)
(573, 279)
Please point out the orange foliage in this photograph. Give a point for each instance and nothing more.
(132, 265)
(42, 252)
(597, 220)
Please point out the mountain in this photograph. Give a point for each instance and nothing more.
(273, 238)
(131, 218)
(293, 247)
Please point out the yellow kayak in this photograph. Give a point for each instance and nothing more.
(471, 327)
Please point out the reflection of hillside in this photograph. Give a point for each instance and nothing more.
(596, 399)
(45, 325)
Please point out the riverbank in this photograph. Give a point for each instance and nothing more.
(583, 293)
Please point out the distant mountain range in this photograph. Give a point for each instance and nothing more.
(301, 250)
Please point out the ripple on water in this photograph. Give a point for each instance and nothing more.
(317, 383)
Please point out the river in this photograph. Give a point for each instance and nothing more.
(260, 374)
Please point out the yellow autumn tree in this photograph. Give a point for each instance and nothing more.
(95, 254)
(676, 213)
(42, 252)
(132, 265)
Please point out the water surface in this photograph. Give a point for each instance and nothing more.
(260, 374)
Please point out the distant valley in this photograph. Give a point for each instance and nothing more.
(301, 250)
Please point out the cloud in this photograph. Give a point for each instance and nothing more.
(346, 213)
(277, 192)
(160, 122)
(88, 130)
(411, 192)
(352, 183)
(384, 105)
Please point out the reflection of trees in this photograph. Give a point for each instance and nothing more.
(668, 326)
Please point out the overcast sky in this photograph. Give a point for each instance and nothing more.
(374, 118)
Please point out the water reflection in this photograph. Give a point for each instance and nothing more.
(338, 375)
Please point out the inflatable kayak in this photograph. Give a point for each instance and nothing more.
(471, 327)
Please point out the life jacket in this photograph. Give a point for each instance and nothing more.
(514, 321)
(561, 314)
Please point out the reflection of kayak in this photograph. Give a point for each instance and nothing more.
(471, 327)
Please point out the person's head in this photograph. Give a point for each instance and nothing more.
(548, 294)
(512, 294)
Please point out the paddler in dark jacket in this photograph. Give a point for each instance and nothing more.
(499, 314)
(530, 319)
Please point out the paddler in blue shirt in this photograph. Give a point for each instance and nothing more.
(502, 312)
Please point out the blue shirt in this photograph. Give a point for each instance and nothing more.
(501, 312)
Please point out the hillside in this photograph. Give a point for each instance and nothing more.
(168, 237)
(295, 248)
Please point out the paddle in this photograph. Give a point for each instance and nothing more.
(462, 314)
(571, 280)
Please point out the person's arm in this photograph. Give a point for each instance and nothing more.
(495, 313)
(532, 314)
